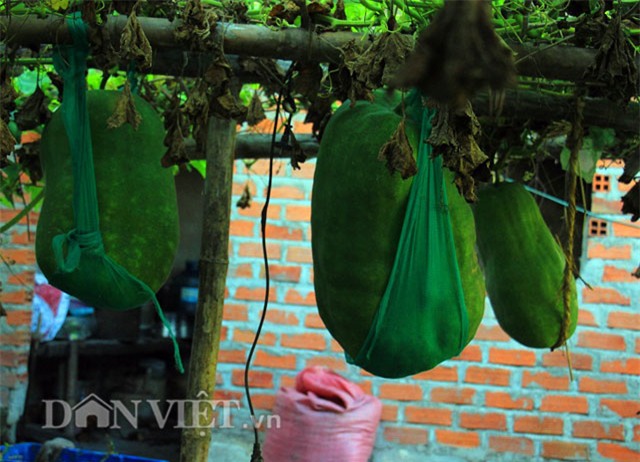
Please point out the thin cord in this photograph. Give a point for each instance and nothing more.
(263, 225)
(564, 203)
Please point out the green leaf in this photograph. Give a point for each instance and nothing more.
(587, 159)
(200, 166)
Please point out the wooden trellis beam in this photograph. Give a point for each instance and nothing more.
(549, 62)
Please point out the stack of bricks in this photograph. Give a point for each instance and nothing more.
(17, 257)
(497, 400)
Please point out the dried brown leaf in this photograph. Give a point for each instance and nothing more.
(227, 105)
(244, 202)
(458, 54)
(454, 135)
(34, 111)
(297, 154)
(614, 66)
(255, 113)
(196, 112)
(8, 96)
(308, 79)
(7, 141)
(125, 111)
(319, 113)
(176, 125)
(286, 11)
(397, 153)
(375, 65)
(134, 44)
(197, 26)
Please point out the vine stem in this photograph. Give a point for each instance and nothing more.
(574, 142)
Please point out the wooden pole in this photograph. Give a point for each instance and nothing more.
(214, 262)
(549, 62)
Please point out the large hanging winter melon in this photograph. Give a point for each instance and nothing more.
(358, 209)
(136, 202)
(523, 266)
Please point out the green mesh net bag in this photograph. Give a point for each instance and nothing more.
(396, 276)
(108, 229)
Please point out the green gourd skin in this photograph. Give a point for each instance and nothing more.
(523, 266)
(136, 198)
(356, 223)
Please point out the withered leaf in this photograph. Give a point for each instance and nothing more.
(397, 153)
(286, 11)
(377, 64)
(134, 44)
(125, 111)
(308, 79)
(614, 66)
(175, 125)
(255, 113)
(7, 141)
(244, 202)
(319, 8)
(235, 11)
(319, 113)
(454, 135)
(290, 143)
(197, 26)
(227, 105)
(458, 54)
(196, 112)
(8, 96)
(34, 111)
(590, 29)
(217, 74)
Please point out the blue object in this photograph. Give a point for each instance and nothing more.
(27, 452)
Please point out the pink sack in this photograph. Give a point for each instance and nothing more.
(325, 418)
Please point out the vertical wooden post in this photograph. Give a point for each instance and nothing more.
(214, 262)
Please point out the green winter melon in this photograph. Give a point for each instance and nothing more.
(523, 266)
(358, 209)
(136, 201)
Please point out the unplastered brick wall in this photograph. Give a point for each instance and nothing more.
(497, 400)
(17, 261)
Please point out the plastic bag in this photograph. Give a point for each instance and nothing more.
(324, 418)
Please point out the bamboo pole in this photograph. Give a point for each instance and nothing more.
(214, 262)
(549, 62)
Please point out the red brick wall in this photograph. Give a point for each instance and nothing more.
(498, 399)
(17, 261)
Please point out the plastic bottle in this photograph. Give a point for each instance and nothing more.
(188, 286)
